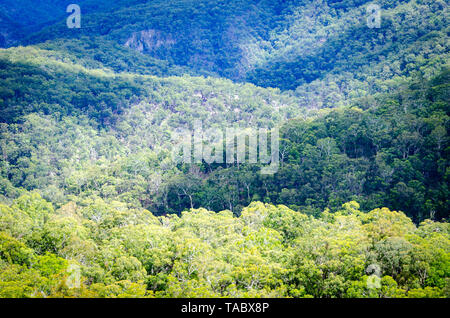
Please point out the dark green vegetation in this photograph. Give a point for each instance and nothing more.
(322, 49)
(88, 180)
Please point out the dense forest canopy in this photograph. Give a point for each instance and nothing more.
(94, 204)
(269, 251)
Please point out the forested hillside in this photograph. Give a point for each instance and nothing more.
(84, 132)
(322, 49)
(93, 202)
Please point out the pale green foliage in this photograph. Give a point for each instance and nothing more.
(268, 251)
